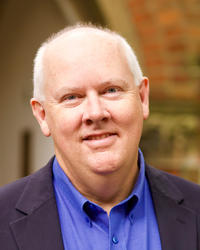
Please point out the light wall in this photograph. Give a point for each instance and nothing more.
(24, 25)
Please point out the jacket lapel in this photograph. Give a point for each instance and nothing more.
(177, 223)
(37, 223)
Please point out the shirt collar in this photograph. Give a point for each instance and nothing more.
(139, 185)
(138, 188)
(66, 188)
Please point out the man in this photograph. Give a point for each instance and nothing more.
(96, 193)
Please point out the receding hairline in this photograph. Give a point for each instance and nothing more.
(81, 27)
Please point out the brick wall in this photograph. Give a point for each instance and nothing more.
(169, 37)
(168, 33)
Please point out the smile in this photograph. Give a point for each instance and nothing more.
(98, 137)
(100, 141)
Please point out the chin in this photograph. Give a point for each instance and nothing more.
(104, 171)
(104, 165)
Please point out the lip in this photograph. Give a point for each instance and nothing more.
(97, 136)
(100, 140)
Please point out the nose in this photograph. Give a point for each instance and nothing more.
(94, 110)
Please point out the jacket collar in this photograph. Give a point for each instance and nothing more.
(37, 224)
(38, 190)
(161, 184)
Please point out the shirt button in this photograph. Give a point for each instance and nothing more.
(115, 240)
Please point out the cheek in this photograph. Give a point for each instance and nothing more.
(128, 114)
(64, 123)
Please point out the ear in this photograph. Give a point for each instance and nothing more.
(39, 113)
(144, 96)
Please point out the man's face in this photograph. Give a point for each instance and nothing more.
(93, 109)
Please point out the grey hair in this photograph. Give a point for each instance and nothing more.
(38, 72)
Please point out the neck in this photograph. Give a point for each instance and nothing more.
(108, 191)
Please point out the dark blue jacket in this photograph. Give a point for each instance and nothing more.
(29, 217)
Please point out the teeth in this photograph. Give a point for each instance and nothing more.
(98, 137)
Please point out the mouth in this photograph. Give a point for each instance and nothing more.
(98, 136)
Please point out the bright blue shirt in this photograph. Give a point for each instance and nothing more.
(86, 226)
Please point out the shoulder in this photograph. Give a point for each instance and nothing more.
(174, 187)
(10, 193)
(185, 185)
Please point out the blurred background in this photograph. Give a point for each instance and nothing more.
(166, 37)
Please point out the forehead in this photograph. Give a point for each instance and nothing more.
(75, 54)
(82, 42)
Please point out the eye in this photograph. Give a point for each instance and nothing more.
(112, 90)
(72, 99)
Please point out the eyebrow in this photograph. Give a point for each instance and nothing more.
(113, 81)
(65, 89)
